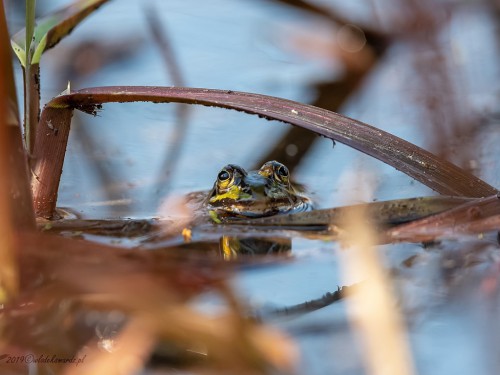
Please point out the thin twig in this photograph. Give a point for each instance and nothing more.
(305, 307)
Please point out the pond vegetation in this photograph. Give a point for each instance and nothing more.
(206, 286)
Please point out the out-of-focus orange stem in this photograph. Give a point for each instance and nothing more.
(8, 272)
(16, 209)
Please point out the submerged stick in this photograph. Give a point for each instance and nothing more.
(474, 217)
(305, 307)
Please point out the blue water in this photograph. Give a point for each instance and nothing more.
(249, 46)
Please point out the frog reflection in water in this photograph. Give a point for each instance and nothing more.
(264, 192)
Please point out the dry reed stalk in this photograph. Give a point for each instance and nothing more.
(436, 173)
(133, 347)
(372, 309)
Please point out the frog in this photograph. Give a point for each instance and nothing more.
(239, 194)
(267, 191)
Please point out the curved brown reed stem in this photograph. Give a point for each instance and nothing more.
(434, 172)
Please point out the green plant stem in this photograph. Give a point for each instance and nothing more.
(30, 83)
(31, 104)
(30, 22)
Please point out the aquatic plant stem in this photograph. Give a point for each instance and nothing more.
(475, 217)
(31, 80)
(373, 314)
(49, 151)
(31, 105)
(434, 172)
(9, 282)
(21, 213)
(31, 42)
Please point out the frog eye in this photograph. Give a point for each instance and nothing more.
(282, 171)
(223, 176)
(275, 171)
(230, 175)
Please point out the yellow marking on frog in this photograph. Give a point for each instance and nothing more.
(213, 215)
(258, 193)
(233, 193)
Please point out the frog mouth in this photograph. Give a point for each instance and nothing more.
(253, 208)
